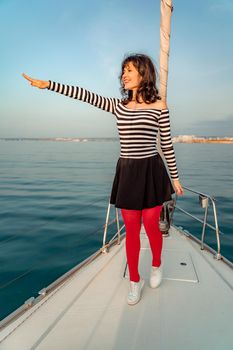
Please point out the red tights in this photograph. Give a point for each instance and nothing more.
(133, 220)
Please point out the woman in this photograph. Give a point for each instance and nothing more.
(141, 184)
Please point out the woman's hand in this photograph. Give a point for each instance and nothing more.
(177, 187)
(41, 84)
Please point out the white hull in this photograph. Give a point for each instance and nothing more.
(191, 309)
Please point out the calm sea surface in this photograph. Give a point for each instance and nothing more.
(53, 201)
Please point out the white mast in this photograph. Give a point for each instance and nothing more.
(166, 9)
(165, 30)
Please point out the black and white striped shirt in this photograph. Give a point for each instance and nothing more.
(138, 128)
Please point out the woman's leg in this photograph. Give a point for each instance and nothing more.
(151, 223)
(132, 221)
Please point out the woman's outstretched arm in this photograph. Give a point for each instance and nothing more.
(76, 92)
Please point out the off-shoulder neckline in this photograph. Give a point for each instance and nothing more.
(144, 109)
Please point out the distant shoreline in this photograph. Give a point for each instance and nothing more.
(203, 139)
(206, 141)
(175, 139)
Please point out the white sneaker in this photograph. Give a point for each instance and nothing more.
(156, 276)
(135, 292)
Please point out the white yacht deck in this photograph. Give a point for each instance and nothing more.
(192, 308)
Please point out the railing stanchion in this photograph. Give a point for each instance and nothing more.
(118, 227)
(104, 250)
(218, 255)
(204, 223)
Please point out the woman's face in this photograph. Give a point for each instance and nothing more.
(130, 77)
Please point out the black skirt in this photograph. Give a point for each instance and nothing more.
(141, 183)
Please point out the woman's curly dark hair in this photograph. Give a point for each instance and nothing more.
(147, 87)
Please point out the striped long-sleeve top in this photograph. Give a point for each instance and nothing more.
(138, 128)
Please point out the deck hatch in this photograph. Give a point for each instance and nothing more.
(178, 265)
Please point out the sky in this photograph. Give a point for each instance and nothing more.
(84, 42)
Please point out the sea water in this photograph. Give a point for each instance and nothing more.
(54, 197)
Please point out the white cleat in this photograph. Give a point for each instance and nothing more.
(135, 292)
(156, 276)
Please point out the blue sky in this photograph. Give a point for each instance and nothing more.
(83, 43)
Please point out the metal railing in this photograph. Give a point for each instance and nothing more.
(204, 200)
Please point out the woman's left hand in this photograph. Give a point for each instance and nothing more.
(177, 187)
